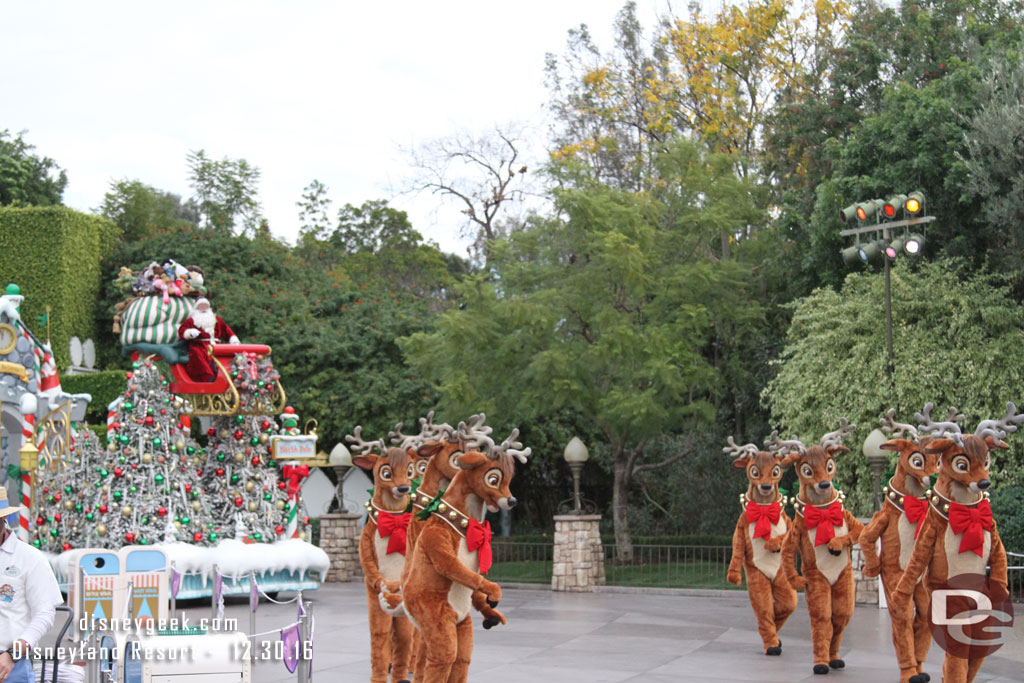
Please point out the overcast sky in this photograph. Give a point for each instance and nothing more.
(303, 90)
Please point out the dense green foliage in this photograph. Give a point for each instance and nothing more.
(954, 342)
(138, 209)
(53, 254)
(27, 179)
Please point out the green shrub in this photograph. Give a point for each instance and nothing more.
(104, 387)
(53, 254)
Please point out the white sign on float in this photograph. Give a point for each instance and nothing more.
(293, 447)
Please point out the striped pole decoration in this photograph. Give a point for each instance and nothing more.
(28, 435)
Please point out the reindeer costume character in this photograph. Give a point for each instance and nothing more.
(451, 551)
(382, 553)
(898, 524)
(757, 542)
(959, 536)
(822, 533)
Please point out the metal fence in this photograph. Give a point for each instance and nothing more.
(1015, 576)
(662, 566)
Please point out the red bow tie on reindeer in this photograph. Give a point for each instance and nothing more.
(394, 528)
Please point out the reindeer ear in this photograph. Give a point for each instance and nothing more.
(790, 458)
(740, 463)
(894, 445)
(429, 450)
(836, 450)
(992, 445)
(470, 460)
(367, 461)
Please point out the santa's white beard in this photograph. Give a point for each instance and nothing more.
(205, 321)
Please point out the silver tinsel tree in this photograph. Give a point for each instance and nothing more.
(244, 488)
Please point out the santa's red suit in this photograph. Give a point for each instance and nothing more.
(199, 333)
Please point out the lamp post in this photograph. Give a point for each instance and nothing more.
(29, 457)
(576, 454)
(877, 460)
(341, 460)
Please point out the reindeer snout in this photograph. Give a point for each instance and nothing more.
(823, 485)
(402, 490)
(765, 488)
(512, 502)
(984, 484)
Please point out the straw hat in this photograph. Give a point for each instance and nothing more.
(6, 508)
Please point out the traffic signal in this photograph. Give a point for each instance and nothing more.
(848, 214)
(914, 203)
(914, 243)
(870, 252)
(868, 209)
(894, 249)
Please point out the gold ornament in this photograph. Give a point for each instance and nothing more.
(239, 457)
(112, 447)
(177, 524)
(196, 505)
(264, 439)
(180, 444)
(302, 535)
(279, 505)
(126, 510)
(252, 506)
(101, 529)
(224, 433)
(147, 458)
(249, 486)
(68, 505)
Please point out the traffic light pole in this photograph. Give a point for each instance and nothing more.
(888, 314)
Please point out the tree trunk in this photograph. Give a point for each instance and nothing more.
(620, 507)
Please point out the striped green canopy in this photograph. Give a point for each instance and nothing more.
(148, 319)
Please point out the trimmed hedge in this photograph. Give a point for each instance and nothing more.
(103, 386)
(609, 539)
(53, 254)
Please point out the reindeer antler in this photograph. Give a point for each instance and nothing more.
(404, 441)
(473, 432)
(356, 439)
(949, 428)
(509, 446)
(836, 438)
(998, 429)
(776, 445)
(736, 451)
(897, 429)
(954, 415)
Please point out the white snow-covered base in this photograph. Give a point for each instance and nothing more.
(233, 559)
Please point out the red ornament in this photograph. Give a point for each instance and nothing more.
(129, 537)
(211, 432)
(127, 375)
(255, 460)
(149, 420)
(163, 411)
(118, 472)
(188, 488)
(40, 521)
(239, 434)
(135, 465)
(161, 511)
(220, 471)
(46, 489)
(282, 485)
(56, 517)
(56, 497)
(67, 546)
(279, 529)
(289, 409)
(238, 501)
(197, 536)
(199, 473)
(264, 425)
(103, 509)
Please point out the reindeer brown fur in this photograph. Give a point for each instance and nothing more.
(444, 577)
(758, 539)
(961, 491)
(823, 532)
(383, 556)
(898, 524)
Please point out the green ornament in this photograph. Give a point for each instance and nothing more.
(135, 365)
(122, 459)
(149, 411)
(220, 457)
(234, 478)
(104, 474)
(159, 478)
(143, 541)
(145, 520)
(258, 536)
(195, 494)
(123, 438)
(174, 449)
(36, 542)
(190, 450)
(128, 405)
(68, 489)
(99, 483)
(50, 499)
(167, 400)
(164, 383)
(268, 497)
(212, 536)
(118, 495)
(260, 384)
(53, 532)
(239, 419)
(157, 442)
(185, 519)
(78, 507)
(167, 492)
(133, 489)
(90, 516)
(254, 441)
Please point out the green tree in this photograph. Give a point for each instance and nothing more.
(605, 313)
(137, 208)
(226, 191)
(27, 179)
(313, 210)
(953, 337)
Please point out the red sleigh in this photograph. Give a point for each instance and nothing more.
(219, 397)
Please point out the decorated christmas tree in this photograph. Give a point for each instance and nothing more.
(144, 487)
(245, 490)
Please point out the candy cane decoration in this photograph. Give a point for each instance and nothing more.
(293, 472)
(28, 435)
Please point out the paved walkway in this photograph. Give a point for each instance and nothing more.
(611, 637)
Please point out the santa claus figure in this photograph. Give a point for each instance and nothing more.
(200, 329)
